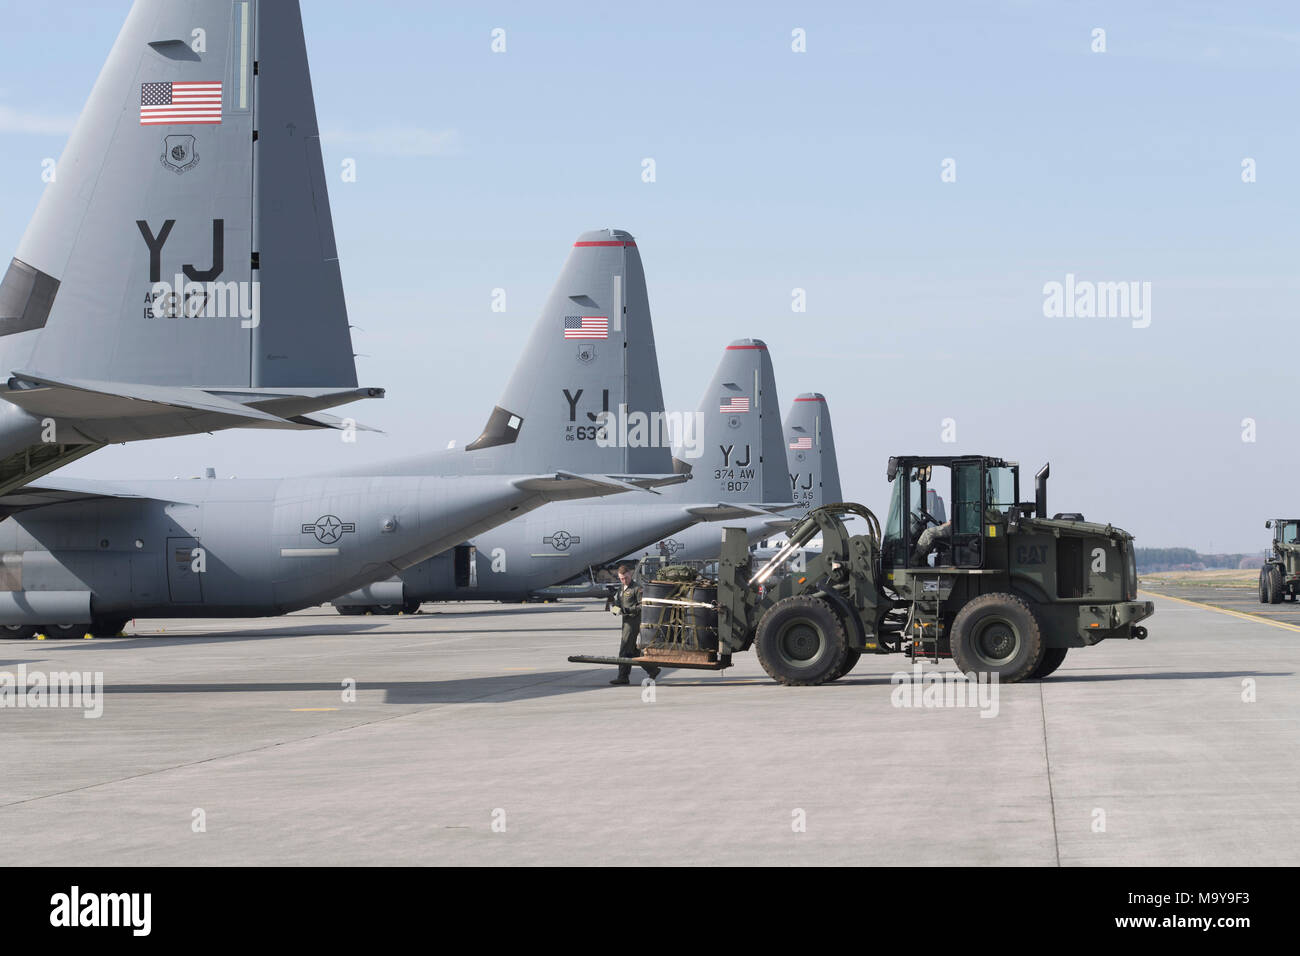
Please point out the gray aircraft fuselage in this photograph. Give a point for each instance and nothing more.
(211, 548)
(532, 552)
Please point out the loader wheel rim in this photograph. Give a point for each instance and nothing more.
(997, 641)
(800, 641)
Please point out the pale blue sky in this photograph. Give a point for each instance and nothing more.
(818, 170)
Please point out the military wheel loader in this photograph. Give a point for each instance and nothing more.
(1279, 578)
(1001, 588)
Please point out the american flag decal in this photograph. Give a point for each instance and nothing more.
(799, 444)
(169, 104)
(586, 327)
(734, 405)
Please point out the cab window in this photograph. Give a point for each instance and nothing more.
(1001, 489)
(966, 499)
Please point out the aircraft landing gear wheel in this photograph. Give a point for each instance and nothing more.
(1275, 584)
(1052, 658)
(349, 610)
(997, 634)
(800, 641)
(18, 632)
(107, 627)
(411, 606)
(64, 631)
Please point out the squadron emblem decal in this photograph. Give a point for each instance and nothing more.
(587, 353)
(329, 529)
(179, 154)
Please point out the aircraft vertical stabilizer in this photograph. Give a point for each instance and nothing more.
(810, 449)
(585, 395)
(184, 251)
(740, 457)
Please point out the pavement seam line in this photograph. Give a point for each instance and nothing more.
(1047, 758)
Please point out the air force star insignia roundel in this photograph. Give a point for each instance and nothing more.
(329, 529)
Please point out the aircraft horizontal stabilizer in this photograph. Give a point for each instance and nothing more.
(108, 412)
(295, 403)
(333, 421)
(88, 401)
(564, 486)
(649, 483)
(723, 512)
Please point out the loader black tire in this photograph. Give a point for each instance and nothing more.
(800, 641)
(850, 661)
(997, 634)
(1276, 588)
(1263, 584)
(1052, 658)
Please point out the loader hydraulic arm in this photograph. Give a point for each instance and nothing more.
(835, 536)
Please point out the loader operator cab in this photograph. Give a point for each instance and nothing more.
(982, 492)
(1285, 530)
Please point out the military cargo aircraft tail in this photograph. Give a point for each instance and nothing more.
(585, 395)
(180, 274)
(810, 451)
(737, 455)
(589, 373)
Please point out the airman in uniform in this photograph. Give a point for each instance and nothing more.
(627, 605)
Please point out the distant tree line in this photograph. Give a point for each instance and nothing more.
(1150, 560)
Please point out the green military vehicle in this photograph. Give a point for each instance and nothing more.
(1001, 588)
(1279, 578)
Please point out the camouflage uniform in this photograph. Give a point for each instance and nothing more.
(627, 604)
(926, 541)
